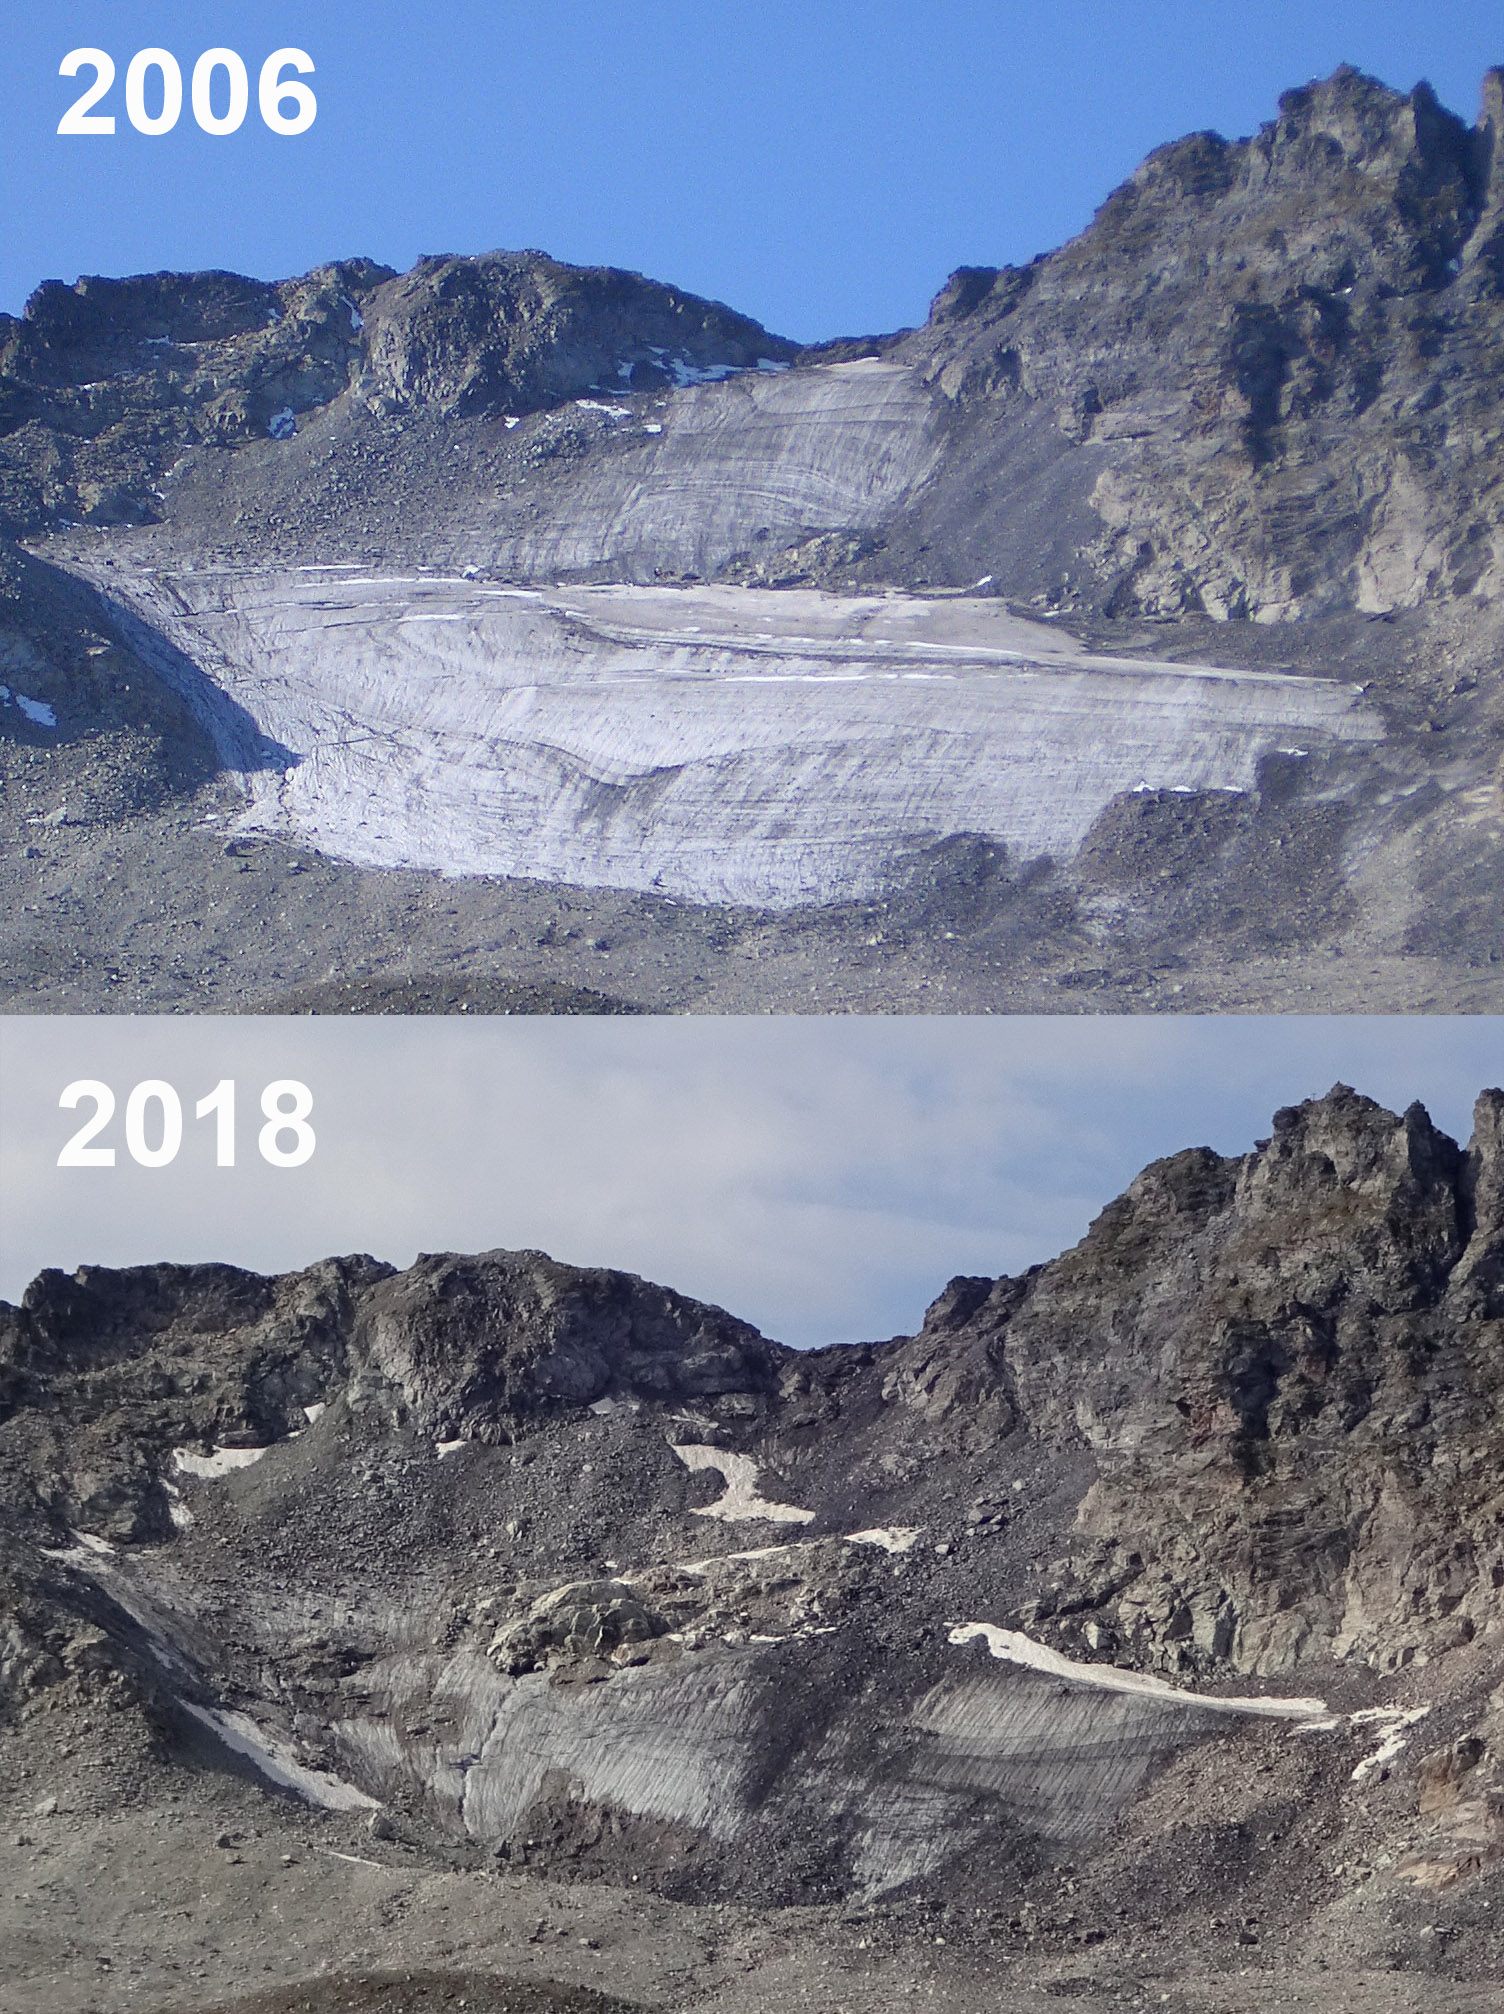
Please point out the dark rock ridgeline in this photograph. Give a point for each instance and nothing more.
(105, 384)
(1257, 1360)
(1286, 346)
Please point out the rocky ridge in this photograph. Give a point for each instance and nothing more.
(1330, 292)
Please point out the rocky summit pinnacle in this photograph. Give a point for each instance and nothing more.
(1327, 298)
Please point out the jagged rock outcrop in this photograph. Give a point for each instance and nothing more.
(479, 1348)
(1286, 351)
(1288, 1370)
(105, 384)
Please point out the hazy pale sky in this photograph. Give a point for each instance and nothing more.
(820, 1178)
(821, 164)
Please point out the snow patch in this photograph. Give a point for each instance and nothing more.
(1393, 1724)
(685, 373)
(445, 1448)
(85, 1547)
(1011, 1646)
(743, 1498)
(599, 406)
(315, 1412)
(890, 1538)
(282, 426)
(223, 1461)
(36, 710)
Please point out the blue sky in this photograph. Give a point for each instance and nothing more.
(822, 164)
(822, 1178)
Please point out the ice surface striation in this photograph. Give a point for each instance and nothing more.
(712, 743)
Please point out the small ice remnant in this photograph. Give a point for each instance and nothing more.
(1393, 1724)
(653, 427)
(684, 372)
(274, 1759)
(222, 1462)
(282, 426)
(888, 1538)
(316, 1412)
(511, 420)
(84, 1545)
(357, 319)
(443, 1448)
(1011, 1646)
(742, 1498)
(36, 710)
(598, 406)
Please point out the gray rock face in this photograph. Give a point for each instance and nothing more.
(585, 1619)
(105, 384)
(478, 1348)
(566, 1566)
(515, 331)
(1279, 348)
